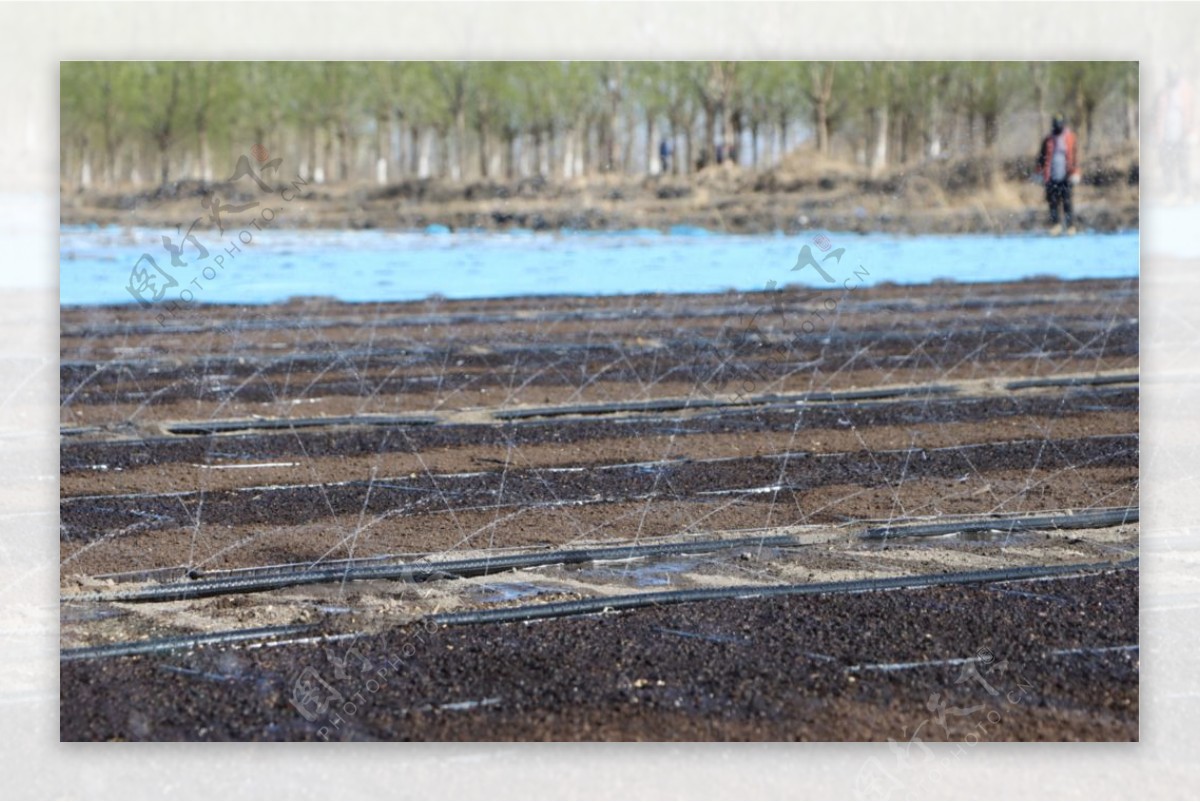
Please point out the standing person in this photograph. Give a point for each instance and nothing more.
(1059, 163)
(664, 155)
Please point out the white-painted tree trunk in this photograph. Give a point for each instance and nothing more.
(879, 151)
(935, 129)
(425, 159)
(568, 155)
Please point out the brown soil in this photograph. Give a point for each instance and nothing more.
(460, 476)
(801, 668)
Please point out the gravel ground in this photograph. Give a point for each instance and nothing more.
(1045, 660)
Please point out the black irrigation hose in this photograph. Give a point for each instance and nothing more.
(418, 572)
(76, 431)
(1083, 520)
(220, 426)
(181, 642)
(1074, 381)
(671, 404)
(176, 573)
(608, 603)
(482, 566)
(632, 601)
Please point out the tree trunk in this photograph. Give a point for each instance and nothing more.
(396, 155)
(821, 111)
(1080, 118)
(652, 168)
(820, 95)
(110, 164)
(483, 151)
(425, 144)
(443, 153)
(205, 169)
(166, 130)
(414, 151)
(460, 128)
(568, 157)
(164, 143)
(587, 150)
(933, 133)
(311, 168)
(710, 132)
(512, 155)
(343, 152)
(382, 125)
(878, 154)
(627, 150)
(327, 168)
(85, 167)
(135, 176)
(110, 146)
(1132, 120)
(1039, 94)
(991, 131)
(733, 135)
(673, 135)
(991, 162)
(611, 133)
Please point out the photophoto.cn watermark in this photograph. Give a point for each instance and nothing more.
(335, 701)
(151, 284)
(751, 358)
(916, 768)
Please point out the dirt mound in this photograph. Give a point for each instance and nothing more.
(933, 183)
(808, 163)
(805, 169)
(1112, 168)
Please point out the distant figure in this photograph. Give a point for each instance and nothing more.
(664, 155)
(1175, 134)
(721, 153)
(1059, 163)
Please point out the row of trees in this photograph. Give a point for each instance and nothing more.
(154, 122)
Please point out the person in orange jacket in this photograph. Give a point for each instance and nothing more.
(1059, 163)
